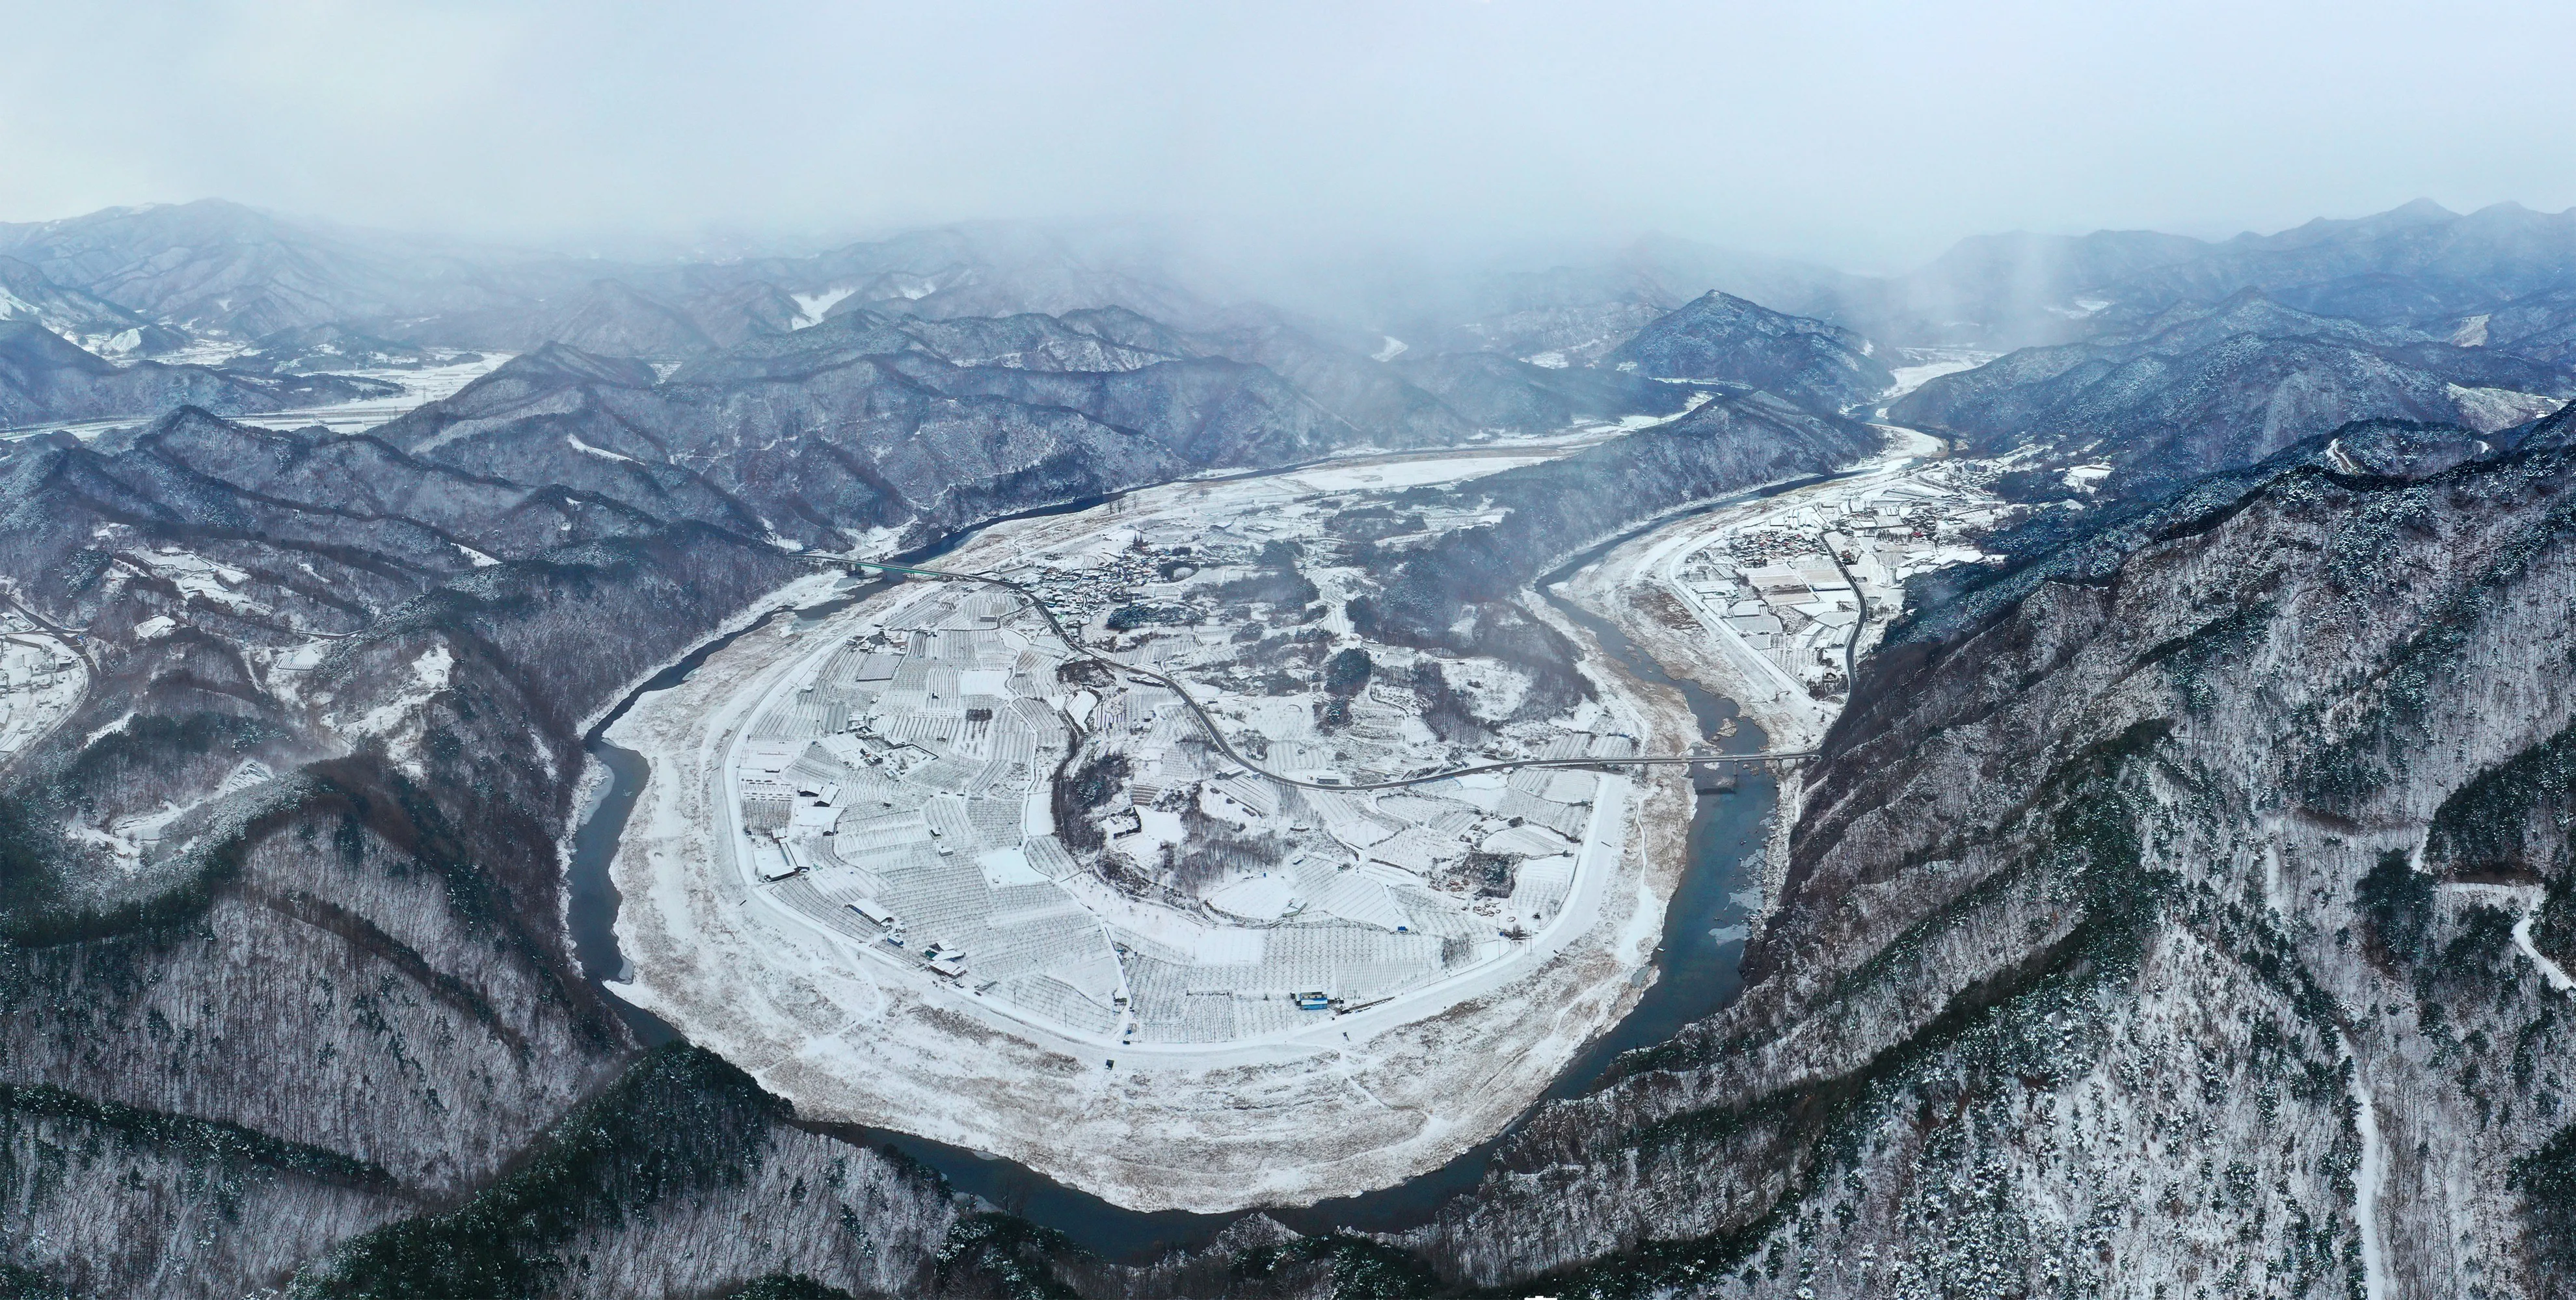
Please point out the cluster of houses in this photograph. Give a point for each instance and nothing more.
(1799, 584)
(1131, 565)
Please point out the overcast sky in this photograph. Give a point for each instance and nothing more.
(1865, 135)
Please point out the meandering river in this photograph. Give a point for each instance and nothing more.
(1696, 966)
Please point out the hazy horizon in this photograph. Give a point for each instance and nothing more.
(1863, 137)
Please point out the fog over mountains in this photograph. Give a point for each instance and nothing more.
(216, 270)
(2179, 902)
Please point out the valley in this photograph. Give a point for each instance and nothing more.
(859, 813)
(397, 390)
(1291, 945)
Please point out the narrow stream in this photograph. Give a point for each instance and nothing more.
(1696, 964)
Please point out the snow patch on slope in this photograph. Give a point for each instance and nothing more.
(196, 577)
(2367, 1183)
(1930, 364)
(398, 720)
(2489, 409)
(602, 452)
(811, 306)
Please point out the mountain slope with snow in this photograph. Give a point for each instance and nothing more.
(1722, 338)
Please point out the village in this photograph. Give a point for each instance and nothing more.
(1808, 581)
(901, 789)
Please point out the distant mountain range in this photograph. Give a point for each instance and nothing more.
(2144, 360)
(2419, 264)
(2203, 387)
(45, 377)
(211, 265)
(133, 282)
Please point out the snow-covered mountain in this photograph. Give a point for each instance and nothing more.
(2199, 388)
(1722, 338)
(2182, 902)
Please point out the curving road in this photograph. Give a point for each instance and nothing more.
(1851, 646)
(75, 638)
(1216, 734)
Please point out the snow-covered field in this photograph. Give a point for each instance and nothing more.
(1132, 1039)
(1928, 364)
(420, 387)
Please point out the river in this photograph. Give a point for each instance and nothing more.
(1696, 964)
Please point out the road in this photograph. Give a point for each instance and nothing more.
(73, 638)
(1216, 734)
(1851, 648)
